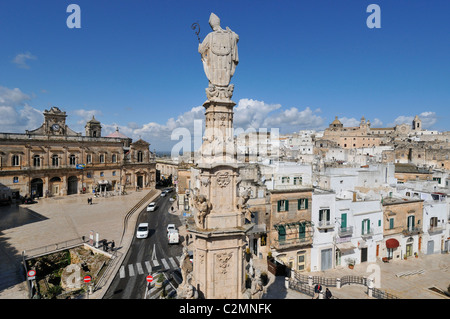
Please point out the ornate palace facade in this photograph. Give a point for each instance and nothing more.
(53, 160)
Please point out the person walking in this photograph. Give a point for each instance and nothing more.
(328, 294)
(113, 244)
(317, 290)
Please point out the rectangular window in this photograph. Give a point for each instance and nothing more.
(15, 179)
(365, 228)
(301, 230)
(411, 222)
(298, 180)
(391, 223)
(285, 180)
(15, 160)
(89, 159)
(324, 215)
(102, 158)
(55, 161)
(301, 261)
(281, 233)
(283, 205)
(302, 203)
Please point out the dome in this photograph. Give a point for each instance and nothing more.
(117, 134)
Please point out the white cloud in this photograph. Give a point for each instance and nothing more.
(12, 97)
(16, 115)
(293, 120)
(21, 60)
(252, 113)
(248, 113)
(428, 119)
(86, 115)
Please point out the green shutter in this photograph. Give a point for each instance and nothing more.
(362, 227)
(286, 205)
(306, 203)
(344, 220)
(299, 204)
(301, 230)
(391, 223)
(281, 233)
(328, 215)
(279, 206)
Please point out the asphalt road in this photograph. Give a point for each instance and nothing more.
(130, 283)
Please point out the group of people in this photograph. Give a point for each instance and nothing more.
(318, 290)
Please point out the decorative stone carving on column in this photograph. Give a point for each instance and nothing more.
(223, 179)
(242, 205)
(186, 290)
(203, 207)
(224, 261)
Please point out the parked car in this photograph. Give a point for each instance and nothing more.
(173, 236)
(151, 207)
(163, 193)
(142, 230)
(171, 227)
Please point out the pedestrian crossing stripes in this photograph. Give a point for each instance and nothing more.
(150, 265)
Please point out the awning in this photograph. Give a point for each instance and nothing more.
(345, 247)
(392, 243)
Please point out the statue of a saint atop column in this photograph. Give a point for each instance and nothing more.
(220, 57)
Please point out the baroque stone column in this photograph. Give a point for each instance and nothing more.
(218, 227)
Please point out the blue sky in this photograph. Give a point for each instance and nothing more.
(134, 64)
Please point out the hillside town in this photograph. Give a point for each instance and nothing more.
(340, 197)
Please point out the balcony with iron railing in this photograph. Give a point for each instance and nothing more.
(366, 233)
(410, 231)
(290, 242)
(345, 231)
(325, 224)
(434, 229)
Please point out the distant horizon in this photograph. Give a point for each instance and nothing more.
(135, 65)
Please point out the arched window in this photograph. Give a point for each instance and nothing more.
(114, 158)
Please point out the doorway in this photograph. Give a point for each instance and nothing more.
(430, 247)
(72, 185)
(409, 250)
(37, 187)
(140, 181)
(326, 259)
(363, 254)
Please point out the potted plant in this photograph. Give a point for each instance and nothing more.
(350, 263)
(248, 255)
(265, 278)
(416, 255)
(159, 281)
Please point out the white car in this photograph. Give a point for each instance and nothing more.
(171, 227)
(142, 230)
(163, 193)
(173, 236)
(151, 207)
